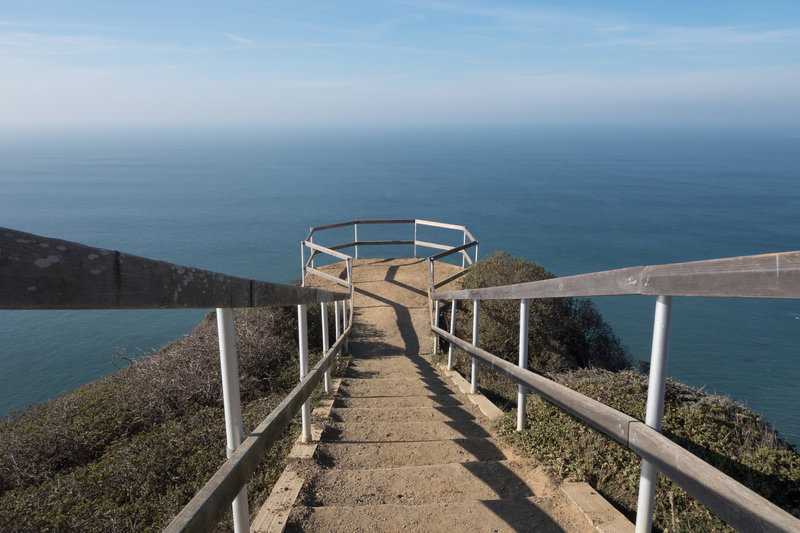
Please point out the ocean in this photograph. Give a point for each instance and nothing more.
(573, 199)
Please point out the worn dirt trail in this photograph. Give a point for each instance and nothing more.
(403, 448)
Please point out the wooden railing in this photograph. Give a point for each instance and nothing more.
(761, 276)
(43, 273)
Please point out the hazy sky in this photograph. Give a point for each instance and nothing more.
(396, 62)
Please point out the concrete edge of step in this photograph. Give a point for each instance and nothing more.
(273, 514)
(603, 516)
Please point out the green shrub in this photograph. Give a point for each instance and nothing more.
(128, 451)
(571, 343)
(721, 432)
(564, 333)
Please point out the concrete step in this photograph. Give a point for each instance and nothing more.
(369, 431)
(495, 516)
(392, 364)
(389, 401)
(390, 454)
(414, 485)
(393, 414)
(395, 387)
(399, 371)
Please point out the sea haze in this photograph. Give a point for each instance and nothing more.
(573, 200)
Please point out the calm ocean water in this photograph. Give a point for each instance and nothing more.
(573, 200)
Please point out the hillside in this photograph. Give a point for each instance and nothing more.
(570, 343)
(126, 452)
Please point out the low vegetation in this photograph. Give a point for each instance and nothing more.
(570, 343)
(564, 333)
(127, 452)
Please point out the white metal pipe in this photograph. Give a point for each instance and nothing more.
(452, 332)
(303, 264)
(415, 239)
(476, 252)
(655, 408)
(436, 323)
(345, 303)
(463, 257)
(302, 329)
(524, 314)
(311, 240)
(338, 323)
(344, 324)
(233, 408)
(325, 344)
(476, 308)
(355, 234)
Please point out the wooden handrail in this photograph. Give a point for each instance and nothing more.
(354, 222)
(453, 250)
(369, 243)
(211, 502)
(755, 276)
(431, 223)
(57, 274)
(727, 498)
(600, 416)
(326, 250)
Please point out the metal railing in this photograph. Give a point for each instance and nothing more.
(308, 264)
(43, 273)
(761, 276)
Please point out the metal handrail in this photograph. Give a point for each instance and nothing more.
(761, 276)
(307, 265)
(211, 501)
(467, 237)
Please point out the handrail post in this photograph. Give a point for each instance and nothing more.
(311, 240)
(325, 344)
(229, 367)
(524, 314)
(302, 329)
(476, 252)
(476, 308)
(452, 332)
(415, 239)
(355, 234)
(303, 263)
(338, 323)
(344, 324)
(655, 408)
(464, 256)
(436, 323)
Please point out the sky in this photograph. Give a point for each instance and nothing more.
(268, 63)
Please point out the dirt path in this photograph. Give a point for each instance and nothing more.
(404, 449)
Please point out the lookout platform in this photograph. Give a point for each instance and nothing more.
(404, 447)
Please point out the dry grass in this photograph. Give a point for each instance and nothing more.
(571, 344)
(723, 433)
(128, 451)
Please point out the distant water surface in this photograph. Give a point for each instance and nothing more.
(574, 200)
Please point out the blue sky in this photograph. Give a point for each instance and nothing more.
(395, 62)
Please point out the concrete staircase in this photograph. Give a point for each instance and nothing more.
(403, 448)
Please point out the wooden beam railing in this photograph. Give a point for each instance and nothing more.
(724, 496)
(210, 503)
(43, 273)
(761, 276)
(755, 276)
